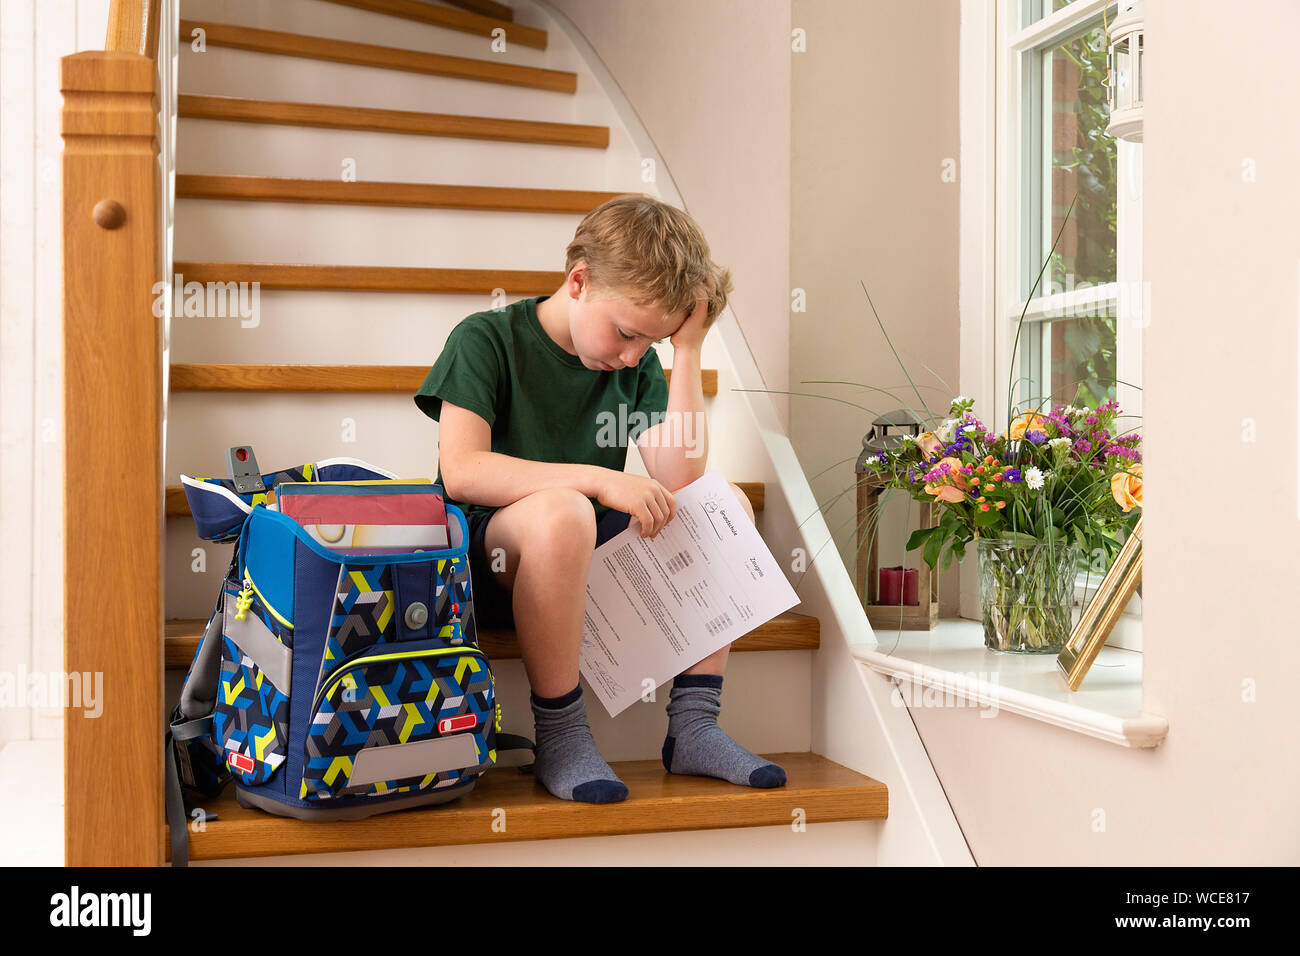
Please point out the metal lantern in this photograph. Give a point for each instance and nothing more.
(887, 433)
(1126, 48)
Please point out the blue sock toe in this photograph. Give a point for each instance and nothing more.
(767, 776)
(600, 791)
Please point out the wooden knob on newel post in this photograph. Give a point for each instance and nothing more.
(109, 214)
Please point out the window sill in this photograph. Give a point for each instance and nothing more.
(949, 666)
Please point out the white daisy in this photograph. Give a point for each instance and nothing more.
(944, 434)
(1033, 478)
(1057, 442)
(969, 428)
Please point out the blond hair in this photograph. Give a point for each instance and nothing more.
(651, 253)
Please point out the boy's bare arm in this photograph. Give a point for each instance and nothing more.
(472, 472)
(676, 452)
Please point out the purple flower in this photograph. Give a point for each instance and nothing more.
(1036, 438)
(1012, 474)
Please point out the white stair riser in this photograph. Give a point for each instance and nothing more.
(316, 18)
(217, 147)
(332, 234)
(225, 71)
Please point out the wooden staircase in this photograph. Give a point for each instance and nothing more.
(659, 802)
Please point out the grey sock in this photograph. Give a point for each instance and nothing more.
(566, 761)
(697, 745)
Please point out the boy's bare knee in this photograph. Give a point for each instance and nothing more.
(561, 515)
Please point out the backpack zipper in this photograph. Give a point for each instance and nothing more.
(351, 665)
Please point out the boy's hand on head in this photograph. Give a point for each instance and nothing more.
(691, 332)
(644, 499)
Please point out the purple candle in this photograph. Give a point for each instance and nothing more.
(909, 587)
(891, 585)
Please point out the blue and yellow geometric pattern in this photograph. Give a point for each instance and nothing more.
(397, 700)
(362, 616)
(251, 718)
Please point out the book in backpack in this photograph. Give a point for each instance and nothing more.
(334, 681)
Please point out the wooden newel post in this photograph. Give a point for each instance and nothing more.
(113, 612)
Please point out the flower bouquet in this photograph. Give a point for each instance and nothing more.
(1053, 488)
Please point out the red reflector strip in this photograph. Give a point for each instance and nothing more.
(241, 762)
(449, 725)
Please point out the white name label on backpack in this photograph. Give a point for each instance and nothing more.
(656, 606)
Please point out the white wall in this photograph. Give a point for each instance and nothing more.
(33, 37)
(873, 120)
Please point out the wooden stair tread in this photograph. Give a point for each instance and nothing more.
(658, 802)
(426, 195)
(276, 276)
(325, 378)
(236, 109)
(177, 505)
(464, 22)
(237, 37)
(788, 631)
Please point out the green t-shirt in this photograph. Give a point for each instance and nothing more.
(542, 403)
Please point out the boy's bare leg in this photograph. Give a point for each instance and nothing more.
(548, 539)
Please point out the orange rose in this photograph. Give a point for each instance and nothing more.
(929, 443)
(1028, 422)
(952, 487)
(1126, 489)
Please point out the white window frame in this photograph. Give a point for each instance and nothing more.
(993, 223)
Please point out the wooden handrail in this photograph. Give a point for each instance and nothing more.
(133, 27)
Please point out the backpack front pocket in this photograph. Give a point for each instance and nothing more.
(251, 719)
(403, 716)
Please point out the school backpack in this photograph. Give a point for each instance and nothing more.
(330, 686)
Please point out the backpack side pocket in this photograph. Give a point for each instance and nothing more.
(251, 719)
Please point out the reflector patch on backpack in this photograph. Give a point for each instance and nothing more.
(449, 725)
(241, 762)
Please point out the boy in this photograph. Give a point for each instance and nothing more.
(524, 396)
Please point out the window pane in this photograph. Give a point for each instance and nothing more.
(1079, 158)
(1031, 11)
(1069, 360)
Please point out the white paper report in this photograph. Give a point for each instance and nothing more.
(656, 606)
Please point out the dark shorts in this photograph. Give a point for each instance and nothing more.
(493, 604)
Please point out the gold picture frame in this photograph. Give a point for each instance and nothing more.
(1099, 617)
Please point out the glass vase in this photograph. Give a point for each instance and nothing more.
(1026, 594)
